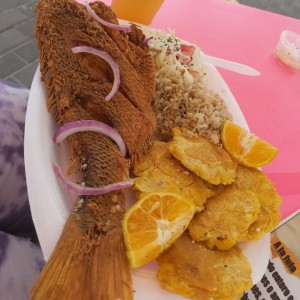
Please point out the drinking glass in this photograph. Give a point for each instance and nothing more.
(138, 11)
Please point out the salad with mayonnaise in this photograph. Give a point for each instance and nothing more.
(165, 47)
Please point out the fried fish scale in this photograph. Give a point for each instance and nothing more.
(190, 269)
(206, 159)
(159, 171)
(269, 216)
(62, 25)
(226, 218)
(77, 83)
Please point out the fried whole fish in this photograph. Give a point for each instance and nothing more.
(89, 260)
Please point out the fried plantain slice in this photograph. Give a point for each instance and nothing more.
(159, 171)
(269, 216)
(226, 218)
(206, 159)
(190, 269)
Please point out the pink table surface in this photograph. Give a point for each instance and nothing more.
(270, 102)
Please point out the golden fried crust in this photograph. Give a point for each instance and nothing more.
(190, 269)
(88, 79)
(226, 218)
(260, 184)
(158, 171)
(207, 160)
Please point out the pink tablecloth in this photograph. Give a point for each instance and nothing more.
(271, 102)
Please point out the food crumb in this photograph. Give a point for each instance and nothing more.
(113, 209)
(79, 203)
(114, 198)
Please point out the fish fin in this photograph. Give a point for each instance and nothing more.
(81, 265)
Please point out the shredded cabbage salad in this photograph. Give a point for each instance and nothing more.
(165, 46)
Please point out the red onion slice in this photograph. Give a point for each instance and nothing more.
(105, 23)
(147, 41)
(78, 189)
(113, 64)
(89, 125)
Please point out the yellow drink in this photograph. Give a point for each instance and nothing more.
(139, 11)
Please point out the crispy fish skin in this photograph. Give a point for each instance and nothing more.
(207, 160)
(190, 269)
(91, 244)
(159, 171)
(226, 218)
(269, 215)
(62, 25)
(89, 260)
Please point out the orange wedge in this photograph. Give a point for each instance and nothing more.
(153, 223)
(245, 147)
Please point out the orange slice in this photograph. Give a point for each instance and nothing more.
(246, 147)
(153, 223)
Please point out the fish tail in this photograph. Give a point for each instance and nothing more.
(87, 264)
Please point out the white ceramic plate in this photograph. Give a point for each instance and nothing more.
(50, 203)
